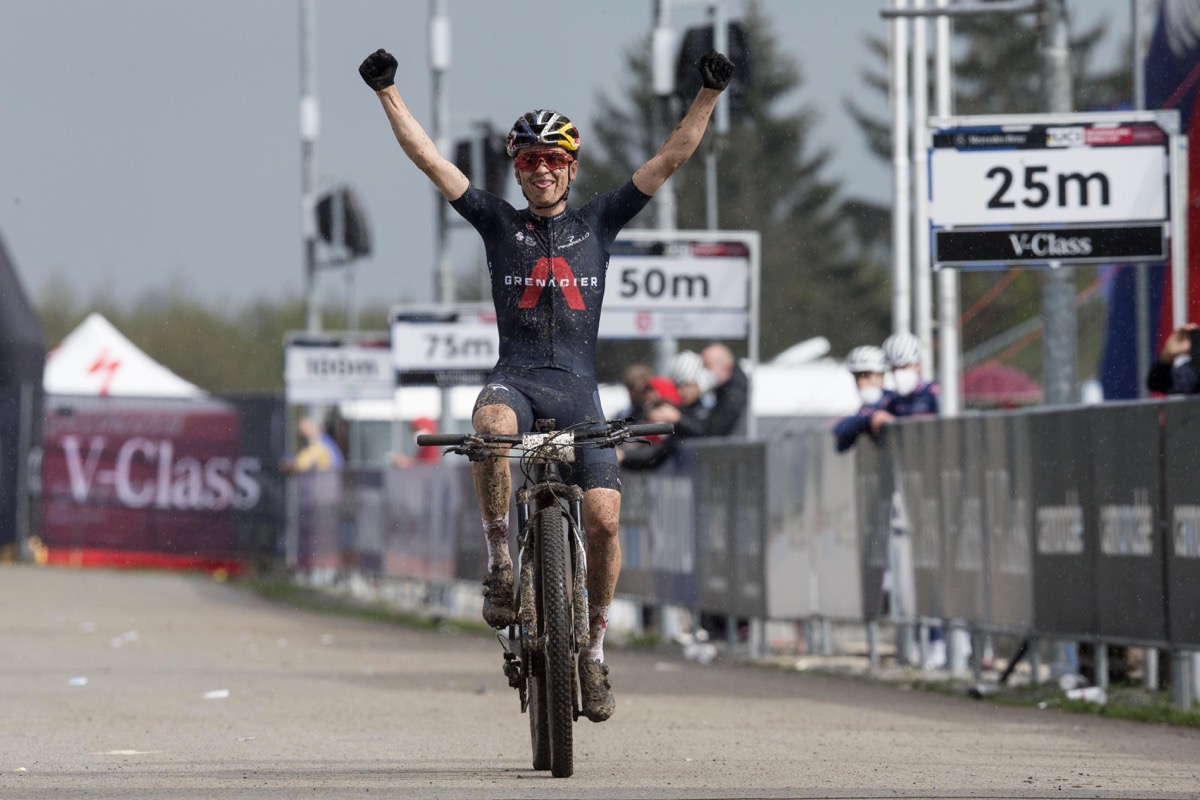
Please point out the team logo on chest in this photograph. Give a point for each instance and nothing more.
(551, 272)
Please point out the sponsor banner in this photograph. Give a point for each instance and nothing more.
(1064, 524)
(1067, 245)
(1126, 496)
(1181, 518)
(328, 372)
(1040, 137)
(149, 476)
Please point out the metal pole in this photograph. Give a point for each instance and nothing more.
(898, 96)
(1058, 284)
(664, 86)
(950, 343)
(721, 44)
(439, 62)
(1179, 228)
(1142, 337)
(310, 123)
(922, 274)
(662, 52)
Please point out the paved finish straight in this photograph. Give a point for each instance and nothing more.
(148, 685)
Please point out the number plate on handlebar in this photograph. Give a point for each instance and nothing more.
(551, 446)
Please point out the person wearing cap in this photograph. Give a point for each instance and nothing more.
(547, 263)
(868, 366)
(692, 381)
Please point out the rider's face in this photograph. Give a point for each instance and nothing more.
(544, 187)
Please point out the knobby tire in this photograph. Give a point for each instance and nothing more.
(555, 618)
(538, 707)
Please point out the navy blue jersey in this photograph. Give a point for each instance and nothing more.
(847, 430)
(547, 274)
(924, 400)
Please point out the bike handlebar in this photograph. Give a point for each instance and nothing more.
(625, 431)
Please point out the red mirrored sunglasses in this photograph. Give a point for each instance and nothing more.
(553, 159)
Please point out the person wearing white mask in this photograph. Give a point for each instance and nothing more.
(868, 366)
(913, 394)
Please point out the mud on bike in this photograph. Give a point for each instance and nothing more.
(550, 586)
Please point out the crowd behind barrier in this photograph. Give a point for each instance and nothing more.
(1079, 524)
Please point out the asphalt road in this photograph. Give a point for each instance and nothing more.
(147, 685)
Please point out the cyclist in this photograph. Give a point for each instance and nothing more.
(547, 265)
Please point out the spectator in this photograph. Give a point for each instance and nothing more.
(868, 366)
(727, 381)
(692, 381)
(636, 380)
(731, 391)
(318, 453)
(658, 391)
(1177, 370)
(913, 394)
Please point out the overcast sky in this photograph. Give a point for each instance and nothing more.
(146, 144)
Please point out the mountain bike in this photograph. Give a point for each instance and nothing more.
(541, 652)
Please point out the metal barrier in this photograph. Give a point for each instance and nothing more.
(1079, 524)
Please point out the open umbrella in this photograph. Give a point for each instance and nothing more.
(994, 385)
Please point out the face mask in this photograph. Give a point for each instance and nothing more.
(906, 381)
(870, 394)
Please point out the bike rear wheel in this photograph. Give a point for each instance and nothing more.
(555, 618)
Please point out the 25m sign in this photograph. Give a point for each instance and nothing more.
(1050, 186)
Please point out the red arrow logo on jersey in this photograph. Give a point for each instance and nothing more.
(564, 278)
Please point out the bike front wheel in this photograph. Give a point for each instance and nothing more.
(558, 654)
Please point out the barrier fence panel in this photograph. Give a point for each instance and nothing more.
(793, 498)
(1130, 598)
(1006, 478)
(1064, 562)
(874, 490)
(658, 545)
(1181, 512)
(730, 518)
(962, 490)
(832, 525)
(424, 518)
(918, 445)
(313, 508)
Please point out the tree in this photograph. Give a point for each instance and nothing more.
(815, 282)
(219, 348)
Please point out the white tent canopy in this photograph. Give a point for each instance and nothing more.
(97, 359)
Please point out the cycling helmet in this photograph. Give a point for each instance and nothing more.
(542, 127)
(687, 367)
(866, 359)
(901, 349)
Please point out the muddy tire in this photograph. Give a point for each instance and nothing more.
(538, 707)
(555, 616)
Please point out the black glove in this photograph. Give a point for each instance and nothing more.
(716, 70)
(379, 70)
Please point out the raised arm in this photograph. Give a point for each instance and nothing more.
(716, 70)
(379, 72)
